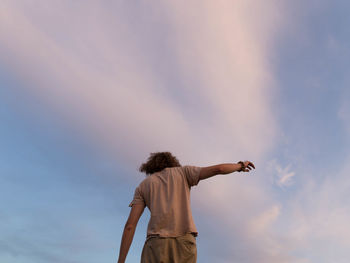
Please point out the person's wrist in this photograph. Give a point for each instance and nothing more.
(242, 166)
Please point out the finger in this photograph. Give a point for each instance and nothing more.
(252, 165)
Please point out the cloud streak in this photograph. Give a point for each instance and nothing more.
(220, 63)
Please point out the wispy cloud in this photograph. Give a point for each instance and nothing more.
(212, 84)
(315, 218)
(282, 176)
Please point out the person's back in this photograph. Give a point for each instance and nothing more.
(167, 196)
(165, 191)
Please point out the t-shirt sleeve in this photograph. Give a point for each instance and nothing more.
(192, 174)
(138, 198)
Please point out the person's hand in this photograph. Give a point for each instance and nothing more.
(247, 166)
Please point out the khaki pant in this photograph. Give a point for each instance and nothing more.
(181, 249)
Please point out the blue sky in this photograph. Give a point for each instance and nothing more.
(88, 90)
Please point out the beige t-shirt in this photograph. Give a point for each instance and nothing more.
(167, 195)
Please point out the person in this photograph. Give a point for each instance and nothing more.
(171, 232)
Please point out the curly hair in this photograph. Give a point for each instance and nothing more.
(158, 161)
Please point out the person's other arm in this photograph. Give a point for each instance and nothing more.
(129, 230)
(225, 168)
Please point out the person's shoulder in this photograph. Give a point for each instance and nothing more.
(190, 168)
(172, 170)
(183, 170)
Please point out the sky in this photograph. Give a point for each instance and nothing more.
(89, 88)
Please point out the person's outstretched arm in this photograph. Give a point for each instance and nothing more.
(225, 168)
(129, 230)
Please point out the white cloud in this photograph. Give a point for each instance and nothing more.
(284, 176)
(315, 220)
(281, 176)
(265, 219)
